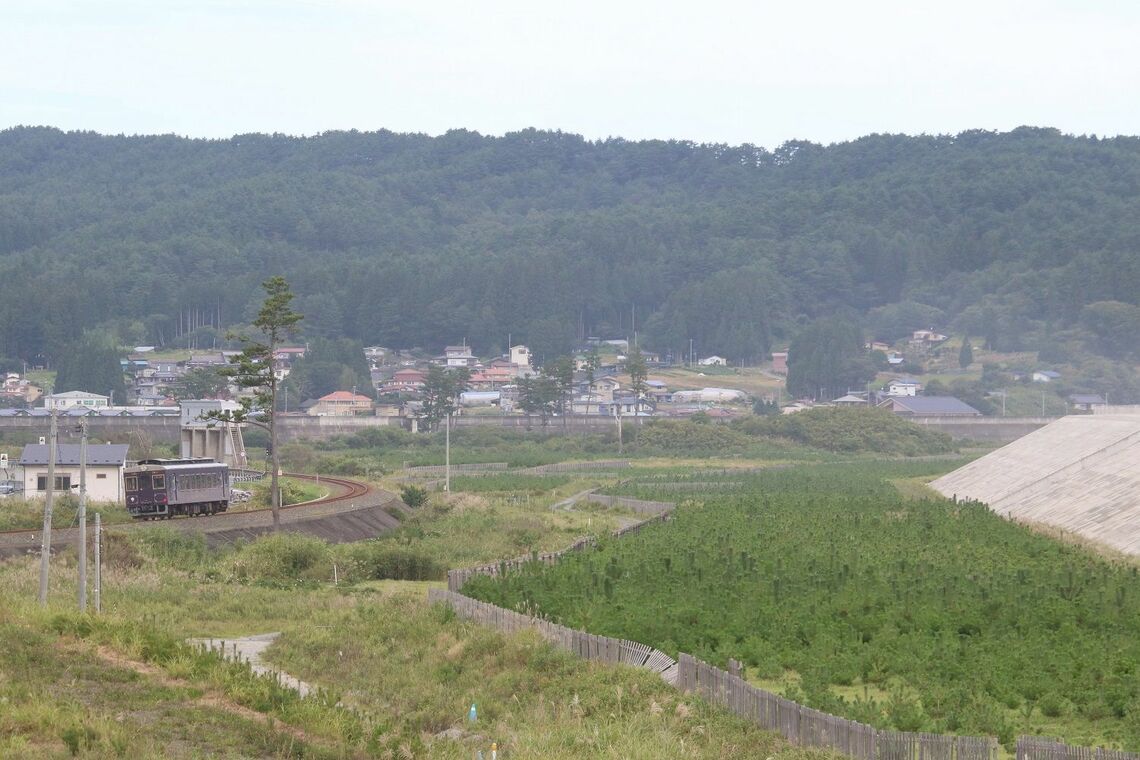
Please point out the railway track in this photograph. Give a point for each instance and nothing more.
(353, 500)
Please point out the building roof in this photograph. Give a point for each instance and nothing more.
(346, 396)
(77, 394)
(67, 454)
(904, 381)
(1086, 398)
(1048, 373)
(933, 406)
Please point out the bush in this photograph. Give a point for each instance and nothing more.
(282, 558)
(851, 430)
(413, 496)
(381, 561)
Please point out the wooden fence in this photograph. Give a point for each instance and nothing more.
(1040, 748)
(433, 470)
(658, 509)
(599, 464)
(586, 645)
(639, 506)
(806, 727)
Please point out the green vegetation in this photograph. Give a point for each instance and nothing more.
(734, 247)
(397, 673)
(907, 613)
(17, 513)
(851, 430)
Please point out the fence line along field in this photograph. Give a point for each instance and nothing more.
(922, 616)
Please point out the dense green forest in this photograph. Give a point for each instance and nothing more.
(1026, 239)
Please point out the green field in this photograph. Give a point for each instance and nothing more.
(833, 587)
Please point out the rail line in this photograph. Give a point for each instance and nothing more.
(350, 496)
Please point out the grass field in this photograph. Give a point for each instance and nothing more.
(121, 685)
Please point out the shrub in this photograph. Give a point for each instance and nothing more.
(851, 430)
(413, 496)
(382, 561)
(282, 558)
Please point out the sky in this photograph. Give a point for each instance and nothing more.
(712, 71)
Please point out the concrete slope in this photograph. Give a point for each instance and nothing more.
(1080, 473)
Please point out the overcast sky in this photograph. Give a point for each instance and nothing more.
(709, 71)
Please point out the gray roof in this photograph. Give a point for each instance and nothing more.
(933, 405)
(68, 454)
(1085, 398)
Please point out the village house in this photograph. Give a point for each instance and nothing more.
(341, 404)
(105, 465)
(780, 362)
(406, 380)
(73, 399)
(16, 390)
(457, 356)
(1084, 402)
(713, 361)
(1045, 376)
(928, 337)
(903, 386)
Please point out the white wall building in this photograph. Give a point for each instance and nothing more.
(72, 399)
(105, 465)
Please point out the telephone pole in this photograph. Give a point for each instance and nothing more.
(45, 548)
(83, 515)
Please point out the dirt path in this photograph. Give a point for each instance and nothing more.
(249, 650)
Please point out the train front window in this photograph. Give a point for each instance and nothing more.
(131, 483)
(159, 482)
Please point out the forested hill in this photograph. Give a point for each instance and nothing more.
(414, 240)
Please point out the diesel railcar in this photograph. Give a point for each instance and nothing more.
(161, 488)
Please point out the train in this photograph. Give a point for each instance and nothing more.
(160, 488)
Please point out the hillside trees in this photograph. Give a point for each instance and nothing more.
(440, 394)
(91, 364)
(826, 359)
(550, 237)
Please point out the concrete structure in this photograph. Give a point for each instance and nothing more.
(199, 437)
(72, 399)
(1081, 474)
(105, 464)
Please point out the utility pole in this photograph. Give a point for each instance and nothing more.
(45, 548)
(447, 454)
(83, 515)
(98, 564)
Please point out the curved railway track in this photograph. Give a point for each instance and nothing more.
(351, 499)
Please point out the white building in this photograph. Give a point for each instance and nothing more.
(105, 465)
(713, 361)
(520, 355)
(903, 386)
(72, 399)
(708, 394)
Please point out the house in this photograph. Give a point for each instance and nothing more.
(780, 362)
(850, 400)
(341, 404)
(1045, 376)
(928, 337)
(105, 465)
(604, 388)
(894, 358)
(405, 380)
(929, 406)
(713, 361)
(1084, 402)
(376, 354)
(491, 378)
(17, 390)
(903, 386)
(709, 395)
(72, 399)
(457, 356)
(877, 345)
(627, 406)
(520, 355)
